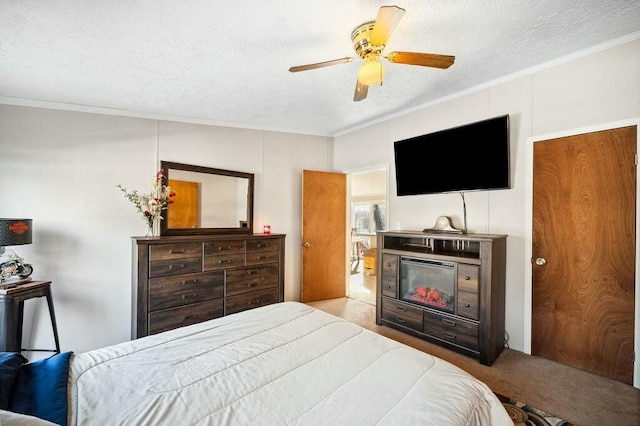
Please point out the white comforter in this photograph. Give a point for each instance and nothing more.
(286, 363)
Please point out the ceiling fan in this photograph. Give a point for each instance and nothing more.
(369, 40)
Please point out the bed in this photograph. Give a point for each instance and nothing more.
(286, 363)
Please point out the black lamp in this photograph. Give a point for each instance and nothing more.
(14, 232)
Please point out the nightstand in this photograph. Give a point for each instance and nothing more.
(12, 311)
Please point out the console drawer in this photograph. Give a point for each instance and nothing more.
(389, 288)
(389, 265)
(467, 304)
(168, 319)
(468, 277)
(453, 330)
(389, 275)
(402, 314)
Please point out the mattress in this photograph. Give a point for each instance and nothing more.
(286, 363)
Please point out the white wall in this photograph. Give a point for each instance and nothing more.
(592, 88)
(61, 169)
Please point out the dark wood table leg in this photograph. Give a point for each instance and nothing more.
(9, 320)
(52, 314)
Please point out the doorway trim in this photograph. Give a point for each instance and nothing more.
(363, 170)
(528, 270)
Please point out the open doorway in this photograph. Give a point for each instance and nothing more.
(367, 215)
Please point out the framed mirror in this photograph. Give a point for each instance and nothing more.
(207, 201)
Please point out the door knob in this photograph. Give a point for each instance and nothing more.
(307, 244)
(541, 261)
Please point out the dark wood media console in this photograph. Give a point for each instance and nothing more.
(466, 312)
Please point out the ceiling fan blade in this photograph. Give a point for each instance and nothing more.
(361, 92)
(422, 59)
(320, 64)
(386, 21)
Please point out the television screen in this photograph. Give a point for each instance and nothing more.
(471, 157)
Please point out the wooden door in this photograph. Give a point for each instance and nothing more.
(584, 192)
(324, 234)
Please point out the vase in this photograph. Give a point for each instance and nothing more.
(152, 228)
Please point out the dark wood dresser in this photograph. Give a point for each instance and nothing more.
(183, 280)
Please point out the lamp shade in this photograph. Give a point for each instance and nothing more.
(15, 232)
(371, 72)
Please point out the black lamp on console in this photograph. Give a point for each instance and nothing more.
(14, 232)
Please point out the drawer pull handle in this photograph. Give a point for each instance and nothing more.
(180, 266)
(189, 281)
(449, 335)
(252, 285)
(251, 302)
(262, 257)
(402, 308)
(401, 320)
(176, 251)
(387, 286)
(224, 248)
(388, 265)
(466, 305)
(448, 322)
(252, 272)
(467, 277)
(192, 316)
(184, 296)
(225, 261)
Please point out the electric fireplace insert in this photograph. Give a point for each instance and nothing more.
(428, 283)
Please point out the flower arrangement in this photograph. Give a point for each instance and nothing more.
(151, 204)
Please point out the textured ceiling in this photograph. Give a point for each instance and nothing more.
(227, 63)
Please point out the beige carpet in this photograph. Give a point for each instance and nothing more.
(574, 395)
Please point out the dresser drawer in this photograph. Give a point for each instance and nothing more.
(161, 268)
(468, 277)
(169, 319)
(251, 279)
(175, 251)
(453, 330)
(223, 247)
(467, 305)
(223, 261)
(261, 245)
(242, 302)
(169, 292)
(262, 257)
(402, 314)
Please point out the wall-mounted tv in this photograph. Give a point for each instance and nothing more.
(471, 157)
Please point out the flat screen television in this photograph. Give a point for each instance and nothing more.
(471, 157)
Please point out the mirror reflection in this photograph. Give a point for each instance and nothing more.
(208, 200)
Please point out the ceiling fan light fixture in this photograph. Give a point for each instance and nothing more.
(371, 72)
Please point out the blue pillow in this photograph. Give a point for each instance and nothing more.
(41, 389)
(10, 363)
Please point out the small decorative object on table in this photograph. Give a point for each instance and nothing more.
(151, 204)
(13, 268)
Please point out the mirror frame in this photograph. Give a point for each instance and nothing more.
(165, 230)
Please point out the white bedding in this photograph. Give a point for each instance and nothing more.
(286, 363)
